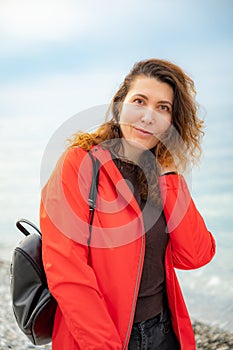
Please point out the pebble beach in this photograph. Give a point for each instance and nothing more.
(207, 338)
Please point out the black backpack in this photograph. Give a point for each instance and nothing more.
(33, 305)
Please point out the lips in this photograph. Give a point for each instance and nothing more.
(143, 132)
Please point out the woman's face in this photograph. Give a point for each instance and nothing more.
(146, 112)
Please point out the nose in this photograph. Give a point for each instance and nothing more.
(148, 116)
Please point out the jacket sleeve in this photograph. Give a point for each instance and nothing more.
(64, 224)
(192, 244)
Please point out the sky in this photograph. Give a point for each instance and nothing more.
(58, 58)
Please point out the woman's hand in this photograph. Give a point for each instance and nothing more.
(167, 167)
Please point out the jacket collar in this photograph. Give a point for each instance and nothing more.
(105, 158)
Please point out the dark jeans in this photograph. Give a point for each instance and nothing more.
(154, 334)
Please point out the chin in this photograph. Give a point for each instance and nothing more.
(143, 146)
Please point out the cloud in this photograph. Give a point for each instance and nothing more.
(57, 96)
(32, 21)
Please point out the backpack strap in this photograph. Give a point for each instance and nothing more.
(93, 189)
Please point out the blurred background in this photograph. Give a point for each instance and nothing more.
(59, 58)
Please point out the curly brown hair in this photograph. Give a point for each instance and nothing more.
(181, 143)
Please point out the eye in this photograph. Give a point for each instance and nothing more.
(138, 101)
(165, 108)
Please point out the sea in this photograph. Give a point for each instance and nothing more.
(208, 291)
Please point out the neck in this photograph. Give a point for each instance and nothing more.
(131, 151)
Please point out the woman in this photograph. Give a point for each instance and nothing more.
(117, 288)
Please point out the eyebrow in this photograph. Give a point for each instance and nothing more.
(146, 98)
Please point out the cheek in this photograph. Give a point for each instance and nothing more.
(164, 123)
(126, 130)
(129, 114)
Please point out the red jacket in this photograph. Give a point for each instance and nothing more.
(96, 287)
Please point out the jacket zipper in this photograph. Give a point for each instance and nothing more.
(136, 289)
